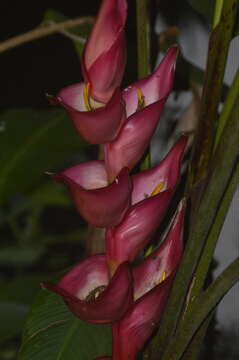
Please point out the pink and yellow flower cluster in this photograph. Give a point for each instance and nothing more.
(110, 287)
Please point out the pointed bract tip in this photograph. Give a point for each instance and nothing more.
(53, 100)
(49, 173)
(182, 204)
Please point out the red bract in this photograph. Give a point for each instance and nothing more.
(126, 240)
(155, 86)
(100, 204)
(105, 52)
(133, 139)
(98, 124)
(152, 282)
(91, 295)
(144, 103)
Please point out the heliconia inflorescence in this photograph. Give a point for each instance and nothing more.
(110, 287)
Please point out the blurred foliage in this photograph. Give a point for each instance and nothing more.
(31, 142)
(52, 332)
(206, 9)
(41, 233)
(78, 34)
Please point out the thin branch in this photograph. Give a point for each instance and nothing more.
(43, 31)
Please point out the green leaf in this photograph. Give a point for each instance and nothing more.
(15, 298)
(32, 143)
(53, 333)
(78, 34)
(12, 315)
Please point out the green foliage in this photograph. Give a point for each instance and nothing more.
(78, 34)
(207, 7)
(52, 332)
(19, 256)
(15, 297)
(32, 143)
(12, 315)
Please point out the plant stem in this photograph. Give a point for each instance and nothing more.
(225, 161)
(217, 56)
(208, 251)
(143, 38)
(217, 12)
(195, 347)
(42, 31)
(227, 108)
(143, 46)
(200, 310)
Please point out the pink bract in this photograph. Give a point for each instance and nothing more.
(97, 126)
(91, 295)
(104, 56)
(100, 204)
(125, 241)
(151, 290)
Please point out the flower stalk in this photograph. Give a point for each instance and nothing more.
(143, 46)
(215, 183)
(212, 90)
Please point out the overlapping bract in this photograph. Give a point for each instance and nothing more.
(126, 240)
(107, 288)
(91, 295)
(105, 52)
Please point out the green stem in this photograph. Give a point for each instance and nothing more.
(217, 12)
(227, 108)
(143, 38)
(200, 310)
(195, 346)
(143, 46)
(208, 251)
(225, 160)
(217, 56)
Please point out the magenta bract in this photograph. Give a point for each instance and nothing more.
(131, 332)
(152, 283)
(91, 295)
(105, 52)
(126, 240)
(166, 172)
(100, 204)
(154, 87)
(144, 103)
(97, 126)
(133, 139)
